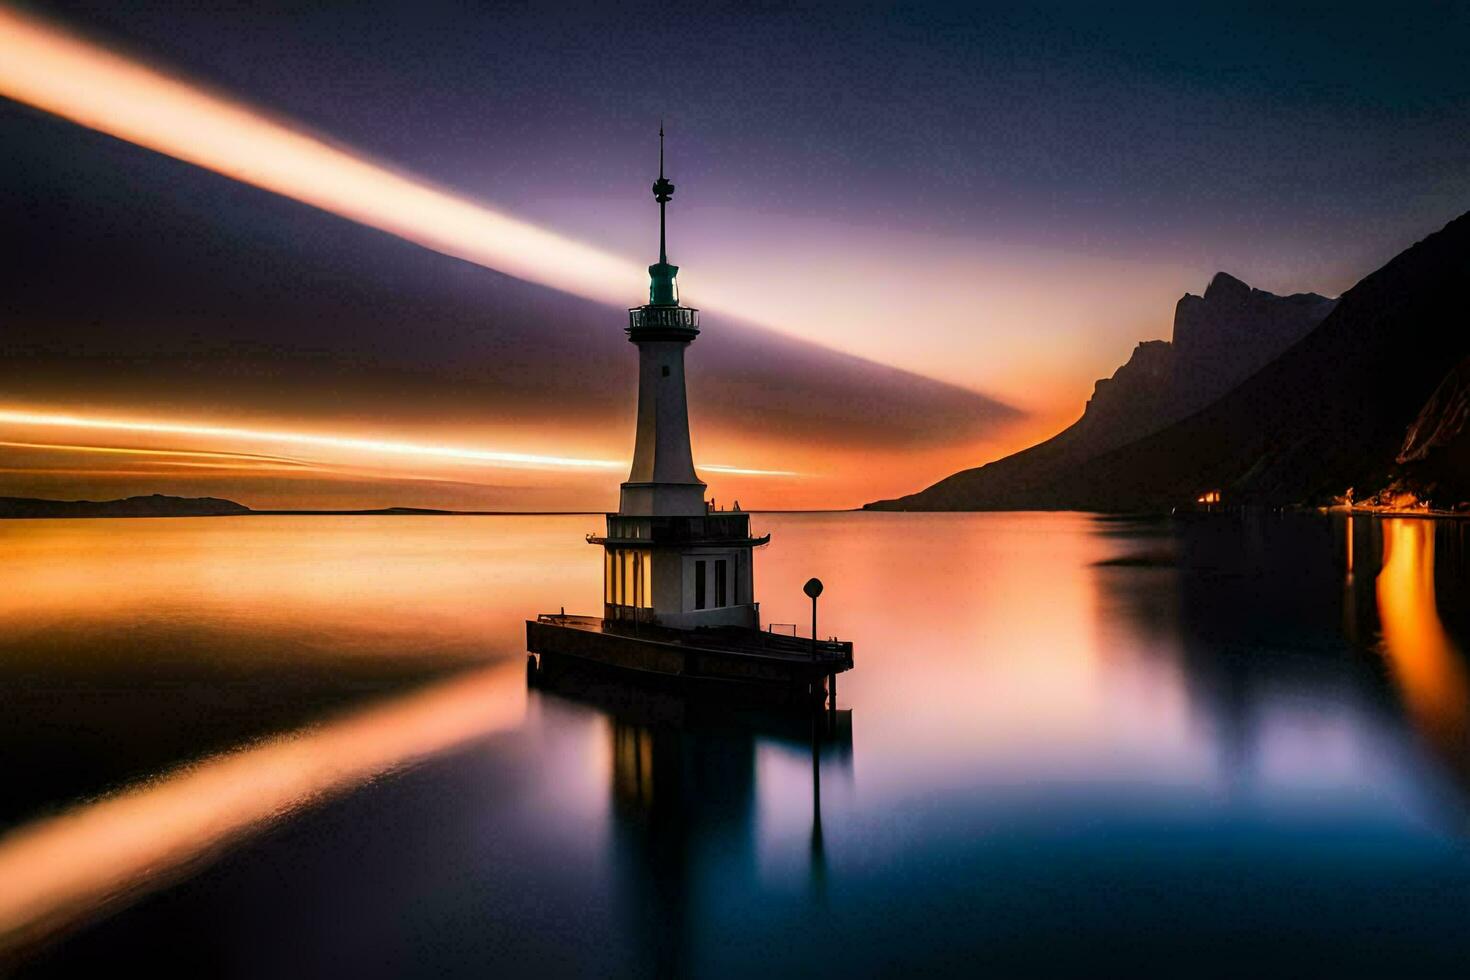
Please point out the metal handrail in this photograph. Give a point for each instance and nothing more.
(679, 317)
(824, 650)
(566, 618)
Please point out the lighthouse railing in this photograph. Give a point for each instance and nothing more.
(654, 317)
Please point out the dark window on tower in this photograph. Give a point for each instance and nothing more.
(699, 585)
(666, 370)
(720, 583)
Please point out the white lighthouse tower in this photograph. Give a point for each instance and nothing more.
(671, 559)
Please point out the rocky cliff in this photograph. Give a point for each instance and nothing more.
(1231, 332)
(1330, 413)
(1220, 339)
(1434, 462)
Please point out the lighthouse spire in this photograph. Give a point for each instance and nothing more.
(662, 197)
(662, 290)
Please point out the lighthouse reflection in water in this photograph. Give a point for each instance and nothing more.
(684, 791)
(1072, 740)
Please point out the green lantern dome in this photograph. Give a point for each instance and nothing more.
(662, 318)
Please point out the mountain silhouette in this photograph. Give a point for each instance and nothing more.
(1434, 462)
(1220, 339)
(1332, 413)
(1231, 332)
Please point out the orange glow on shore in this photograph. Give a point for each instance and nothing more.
(64, 867)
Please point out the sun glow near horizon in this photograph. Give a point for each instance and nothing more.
(312, 440)
(53, 69)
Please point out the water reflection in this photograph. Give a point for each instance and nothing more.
(1084, 741)
(1277, 624)
(1427, 665)
(683, 796)
(129, 647)
(68, 866)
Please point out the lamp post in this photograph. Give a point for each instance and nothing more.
(813, 588)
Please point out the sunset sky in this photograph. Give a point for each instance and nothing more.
(303, 259)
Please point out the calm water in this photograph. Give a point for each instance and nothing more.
(304, 746)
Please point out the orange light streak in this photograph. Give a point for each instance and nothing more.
(376, 447)
(48, 68)
(63, 867)
(132, 451)
(57, 71)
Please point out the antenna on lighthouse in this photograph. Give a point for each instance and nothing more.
(661, 288)
(663, 189)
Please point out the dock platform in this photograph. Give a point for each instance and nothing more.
(735, 661)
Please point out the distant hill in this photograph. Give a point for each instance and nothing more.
(162, 505)
(1330, 414)
(155, 505)
(1220, 339)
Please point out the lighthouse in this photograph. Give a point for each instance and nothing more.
(670, 558)
(663, 482)
(678, 583)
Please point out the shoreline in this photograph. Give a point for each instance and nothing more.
(1378, 512)
(380, 512)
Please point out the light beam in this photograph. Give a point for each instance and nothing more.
(375, 447)
(52, 70)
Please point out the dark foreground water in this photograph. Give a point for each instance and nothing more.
(273, 747)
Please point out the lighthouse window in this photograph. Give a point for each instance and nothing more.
(720, 583)
(666, 370)
(699, 585)
(629, 578)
